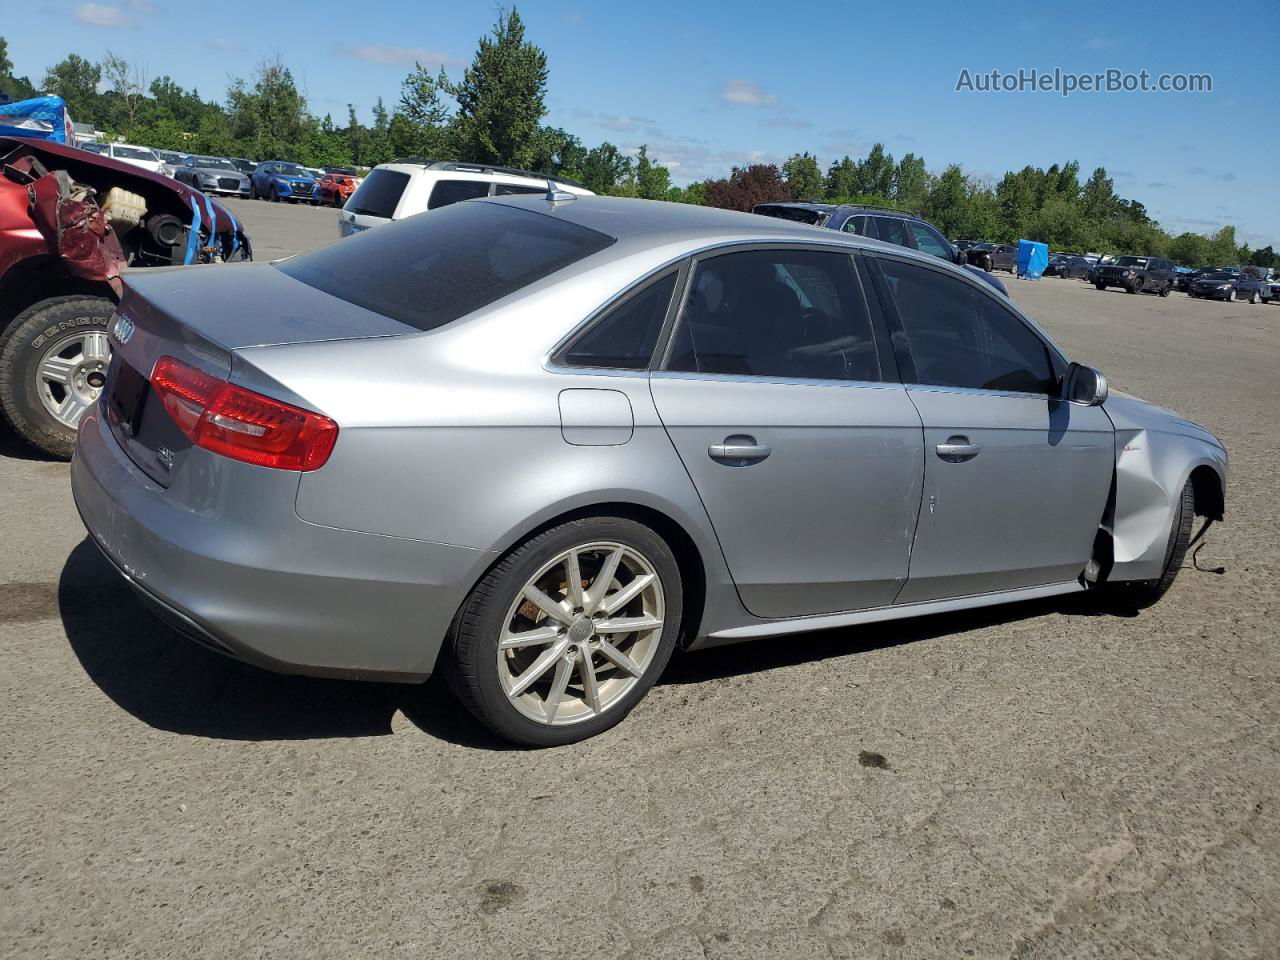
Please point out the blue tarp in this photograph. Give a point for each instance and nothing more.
(44, 118)
(1032, 259)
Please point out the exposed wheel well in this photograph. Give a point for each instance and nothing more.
(40, 278)
(1207, 487)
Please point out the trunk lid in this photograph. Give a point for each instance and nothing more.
(201, 315)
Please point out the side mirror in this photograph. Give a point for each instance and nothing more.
(1084, 385)
(960, 257)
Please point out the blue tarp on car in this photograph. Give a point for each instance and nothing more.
(1033, 257)
(42, 118)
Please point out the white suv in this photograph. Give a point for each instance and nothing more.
(393, 191)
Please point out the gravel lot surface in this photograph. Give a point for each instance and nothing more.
(1032, 781)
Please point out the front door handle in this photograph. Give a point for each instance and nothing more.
(958, 449)
(739, 451)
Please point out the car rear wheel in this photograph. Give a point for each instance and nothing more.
(53, 363)
(1100, 286)
(1164, 291)
(568, 632)
(1253, 296)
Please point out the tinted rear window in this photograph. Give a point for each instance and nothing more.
(429, 271)
(795, 214)
(379, 195)
(446, 192)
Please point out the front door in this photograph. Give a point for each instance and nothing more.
(808, 463)
(1016, 479)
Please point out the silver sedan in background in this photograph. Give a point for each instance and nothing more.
(216, 175)
(539, 442)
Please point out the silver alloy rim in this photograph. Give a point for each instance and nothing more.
(581, 633)
(70, 375)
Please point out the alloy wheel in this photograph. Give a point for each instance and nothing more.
(71, 373)
(581, 633)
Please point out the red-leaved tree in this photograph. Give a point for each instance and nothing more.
(747, 186)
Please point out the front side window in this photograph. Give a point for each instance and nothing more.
(958, 336)
(776, 313)
(892, 231)
(928, 241)
(446, 192)
(859, 225)
(624, 339)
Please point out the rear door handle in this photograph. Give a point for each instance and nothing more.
(739, 451)
(958, 449)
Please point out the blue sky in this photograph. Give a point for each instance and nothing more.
(712, 84)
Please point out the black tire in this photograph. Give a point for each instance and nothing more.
(472, 647)
(1135, 287)
(1100, 286)
(1253, 296)
(1139, 594)
(23, 346)
(1164, 291)
(273, 195)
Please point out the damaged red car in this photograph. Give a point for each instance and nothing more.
(71, 224)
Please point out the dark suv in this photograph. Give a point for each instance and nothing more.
(891, 226)
(1137, 275)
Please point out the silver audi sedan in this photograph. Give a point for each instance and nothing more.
(538, 443)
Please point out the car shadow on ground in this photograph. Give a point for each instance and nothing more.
(173, 684)
(15, 448)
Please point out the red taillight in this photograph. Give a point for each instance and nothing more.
(239, 423)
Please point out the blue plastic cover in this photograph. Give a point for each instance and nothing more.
(42, 118)
(1033, 257)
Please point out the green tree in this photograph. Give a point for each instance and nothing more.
(875, 173)
(694, 193)
(559, 152)
(502, 97)
(1221, 249)
(1099, 195)
(15, 88)
(420, 126)
(653, 181)
(605, 167)
(804, 176)
(842, 178)
(127, 86)
(910, 183)
(76, 80)
(1190, 249)
(270, 117)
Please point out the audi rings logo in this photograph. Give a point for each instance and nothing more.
(123, 329)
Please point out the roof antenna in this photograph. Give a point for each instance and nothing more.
(556, 196)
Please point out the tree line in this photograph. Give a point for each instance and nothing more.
(493, 113)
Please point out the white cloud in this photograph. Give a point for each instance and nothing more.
(385, 53)
(744, 94)
(101, 15)
(223, 45)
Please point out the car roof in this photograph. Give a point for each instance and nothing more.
(640, 224)
(836, 207)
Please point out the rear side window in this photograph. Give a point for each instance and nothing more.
(859, 225)
(625, 337)
(794, 214)
(928, 241)
(892, 231)
(446, 192)
(513, 189)
(959, 336)
(379, 195)
(429, 271)
(776, 313)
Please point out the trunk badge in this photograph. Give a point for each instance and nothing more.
(123, 329)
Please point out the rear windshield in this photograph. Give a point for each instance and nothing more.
(379, 195)
(428, 271)
(797, 214)
(135, 153)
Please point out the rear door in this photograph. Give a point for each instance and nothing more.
(1016, 479)
(805, 451)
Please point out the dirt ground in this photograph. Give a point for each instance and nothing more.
(1033, 781)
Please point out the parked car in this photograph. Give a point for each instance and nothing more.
(244, 166)
(1136, 275)
(93, 147)
(170, 160)
(632, 427)
(1071, 268)
(62, 253)
(994, 256)
(891, 226)
(963, 245)
(334, 189)
(276, 180)
(393, 191)
(315, 173)
(1230, 285)
(216, 175)
(142, 157)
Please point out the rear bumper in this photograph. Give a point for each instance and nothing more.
(270, 589)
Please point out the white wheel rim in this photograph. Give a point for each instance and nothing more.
(581, 633)
(70, 375)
